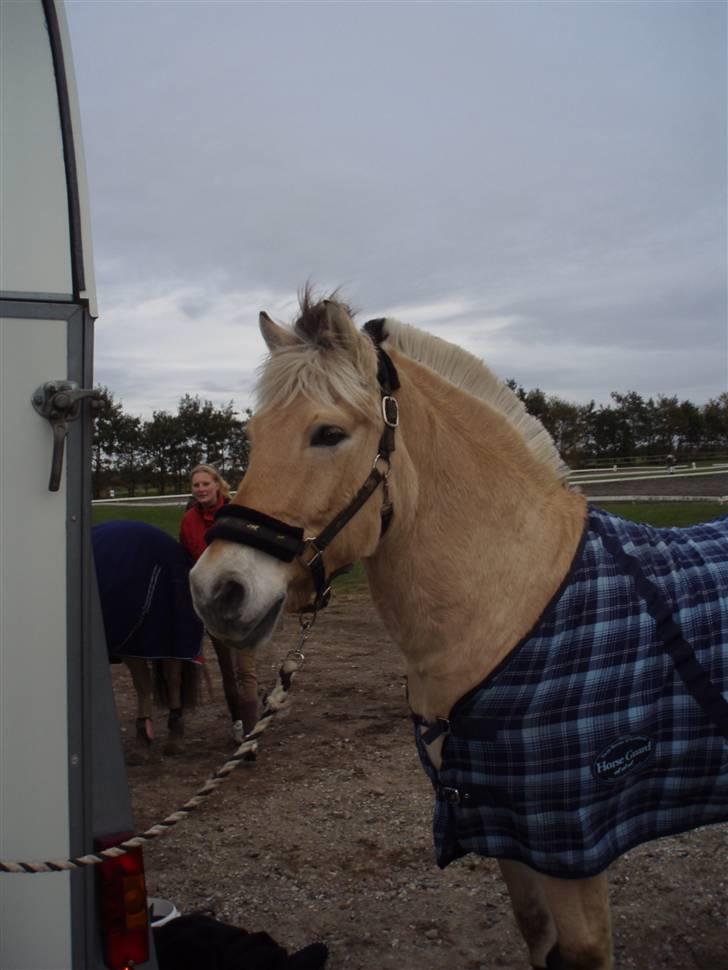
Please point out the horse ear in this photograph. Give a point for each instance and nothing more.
(274, 334)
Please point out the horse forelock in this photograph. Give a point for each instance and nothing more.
(465, 371)
(324, 364)
(315, 374)
(311, 323)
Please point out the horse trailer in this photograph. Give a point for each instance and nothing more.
(63, 785)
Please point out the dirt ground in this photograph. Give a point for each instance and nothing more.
(327, 835)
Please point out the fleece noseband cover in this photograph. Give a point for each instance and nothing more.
(237, 523)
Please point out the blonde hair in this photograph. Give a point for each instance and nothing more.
(215, 475)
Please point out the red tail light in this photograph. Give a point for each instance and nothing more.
(122, 897)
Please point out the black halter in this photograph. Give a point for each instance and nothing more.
(236, 523)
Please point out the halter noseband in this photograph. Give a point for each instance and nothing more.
(237, 523)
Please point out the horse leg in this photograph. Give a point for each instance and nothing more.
(141, 677)
(172, 670)
(530, 907)
(580, 910)
(565, 922)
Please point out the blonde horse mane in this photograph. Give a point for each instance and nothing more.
(323, 365)
(463, 370)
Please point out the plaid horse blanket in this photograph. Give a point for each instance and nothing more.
(606, 726)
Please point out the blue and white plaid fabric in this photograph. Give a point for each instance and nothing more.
(585, 741)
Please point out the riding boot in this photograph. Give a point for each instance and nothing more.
(176, 736)
(247, 720)
(142, 748)
(249, 712)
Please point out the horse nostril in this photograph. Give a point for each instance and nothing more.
(229, 597)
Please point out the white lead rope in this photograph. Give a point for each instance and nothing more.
(276, 702)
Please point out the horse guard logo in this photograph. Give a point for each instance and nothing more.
(622, 757)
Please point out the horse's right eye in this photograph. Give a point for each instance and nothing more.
(327, 436)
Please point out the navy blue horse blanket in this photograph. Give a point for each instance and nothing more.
(143, 584)
(606, 726)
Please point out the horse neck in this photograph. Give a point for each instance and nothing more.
(482, 536)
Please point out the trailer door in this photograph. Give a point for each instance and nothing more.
(62, 777)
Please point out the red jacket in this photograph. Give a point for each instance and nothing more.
(195, 523)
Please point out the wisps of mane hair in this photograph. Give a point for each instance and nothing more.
(312, 308)
(467, 372)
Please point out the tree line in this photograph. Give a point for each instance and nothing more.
(631, 430)
(132, 456)
(135, 457)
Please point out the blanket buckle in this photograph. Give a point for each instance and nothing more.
(450, 795)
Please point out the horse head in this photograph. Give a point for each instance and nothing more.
(315, 438)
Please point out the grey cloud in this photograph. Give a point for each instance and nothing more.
(563, 164)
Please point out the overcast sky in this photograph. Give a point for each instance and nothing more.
(542, 183)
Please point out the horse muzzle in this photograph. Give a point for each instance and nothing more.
(238, 594)
(241, 637)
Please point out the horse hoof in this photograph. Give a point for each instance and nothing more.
(173, 746)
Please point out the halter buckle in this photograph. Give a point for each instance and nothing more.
(317, 554)
(390, 411)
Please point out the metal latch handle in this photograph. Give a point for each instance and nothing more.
(60, 402)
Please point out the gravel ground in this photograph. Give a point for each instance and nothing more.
(327, 836)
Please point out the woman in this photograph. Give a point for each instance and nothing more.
(210, 492)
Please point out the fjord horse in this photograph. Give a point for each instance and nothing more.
(393, 447)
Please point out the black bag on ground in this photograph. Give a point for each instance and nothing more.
(196, 941)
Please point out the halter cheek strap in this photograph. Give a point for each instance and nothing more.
(237, 523)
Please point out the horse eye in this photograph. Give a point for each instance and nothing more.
(327, 436)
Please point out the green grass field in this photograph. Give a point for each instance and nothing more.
(167, 517)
